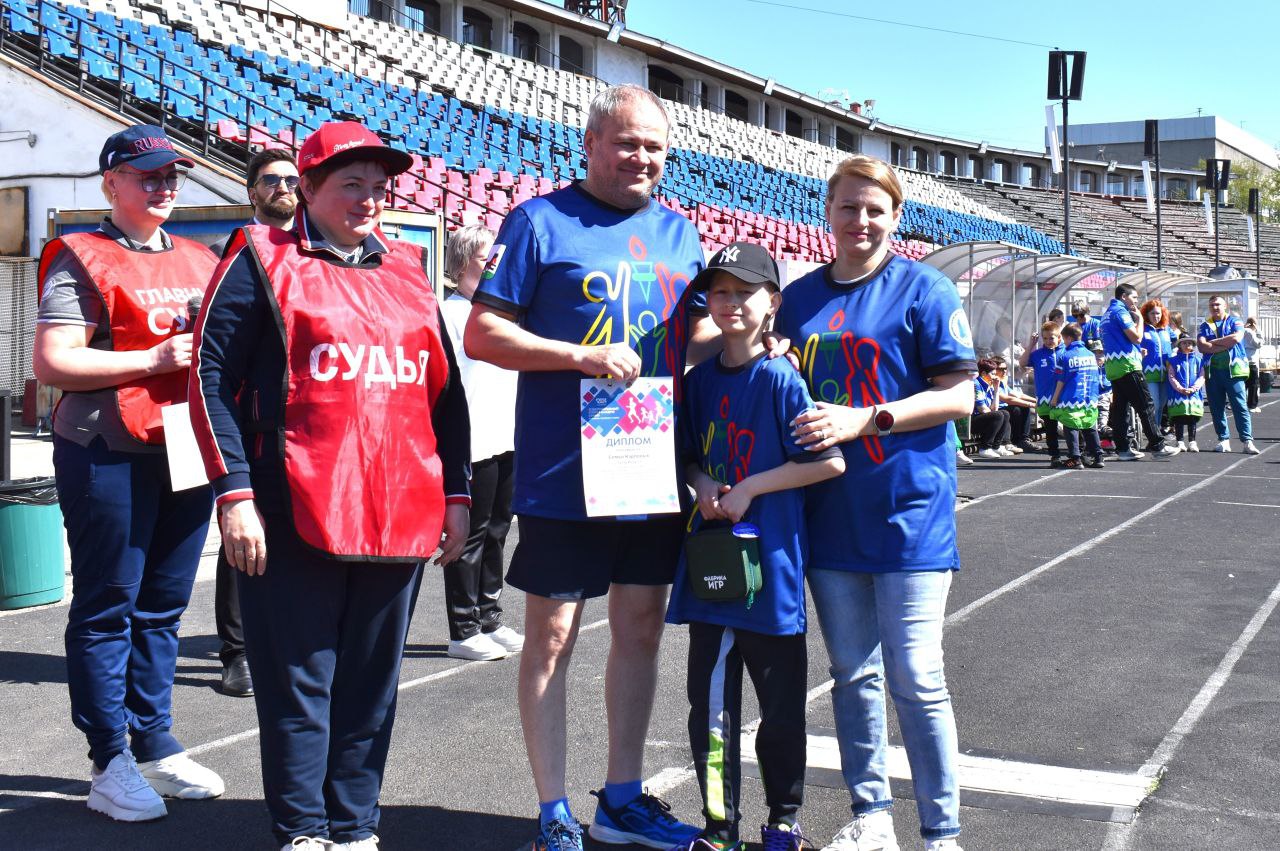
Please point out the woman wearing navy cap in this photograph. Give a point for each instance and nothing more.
(333, 425)
(886, 349)
(112, 335)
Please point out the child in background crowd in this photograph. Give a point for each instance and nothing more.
(1043, 361)
(1185, 378)
(989, 422)
(1019, 406)
(1104, 401)
(744, 465)
(1075, 399)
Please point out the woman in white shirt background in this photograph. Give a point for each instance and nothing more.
(473, 583)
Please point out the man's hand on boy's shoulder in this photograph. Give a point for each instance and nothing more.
(780, 346)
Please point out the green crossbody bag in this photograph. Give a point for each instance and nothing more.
(724, 563)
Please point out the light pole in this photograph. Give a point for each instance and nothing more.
(1066, 80)
(1217, 175)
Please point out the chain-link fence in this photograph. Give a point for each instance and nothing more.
(17, 322)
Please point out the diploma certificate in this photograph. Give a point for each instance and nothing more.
(628, 447)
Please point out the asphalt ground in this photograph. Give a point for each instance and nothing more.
(1119, 620)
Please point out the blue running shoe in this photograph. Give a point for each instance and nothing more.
(559, 836)
(701, 843)
(645, 820)
(781, 837)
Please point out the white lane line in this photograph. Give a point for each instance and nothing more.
(1037, 781)
(1083, 496)
(1013, 490)
(1263, 478)
(1248, 504)
(1119, 835)
(960, 615)
(67, 790)
(1218, 811)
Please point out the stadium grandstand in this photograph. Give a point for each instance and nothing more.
(494, 116)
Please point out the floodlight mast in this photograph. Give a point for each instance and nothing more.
(1066, 80)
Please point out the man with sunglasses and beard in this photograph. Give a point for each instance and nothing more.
(271, 182)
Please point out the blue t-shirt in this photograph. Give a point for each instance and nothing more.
(735, 422)
(1185, 368)
(863, 344)
(1090, 329)
(1120, 355)
(1155, 351)
(1043, 362)
(1077, 369)
(1234, 359)
(575, 269)
(984, 394)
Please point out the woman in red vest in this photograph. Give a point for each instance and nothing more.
(334, 429)
(113, 336)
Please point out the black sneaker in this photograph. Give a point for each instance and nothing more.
(1095, 462)
(1057, 463)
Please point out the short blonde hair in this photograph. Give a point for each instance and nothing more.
(876, 170)
(462, 245)
(1050, 326)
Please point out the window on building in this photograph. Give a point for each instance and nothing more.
(1177, 188)
(1002, 171)
(793, 124)
(1087, 182)
(572, 56)
(947, 162)
(847, 140)
(895, 154)
(422, 15)
(477, 28)
(524, 43)
(735, 105)
(1030, 174)
(666, 84)
(1115, 183)
(919, 159)
(977, 168)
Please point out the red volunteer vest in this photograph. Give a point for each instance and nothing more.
(145, 294)
(365, 367)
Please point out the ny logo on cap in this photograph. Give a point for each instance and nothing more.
(729, 255)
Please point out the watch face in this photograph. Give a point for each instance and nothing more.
(884, 420)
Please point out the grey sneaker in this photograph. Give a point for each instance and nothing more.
(1167, 451)
(1131, 455)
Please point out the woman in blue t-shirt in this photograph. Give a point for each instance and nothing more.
(886, 350)
(1156, 349)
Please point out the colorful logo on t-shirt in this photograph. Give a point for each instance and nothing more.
(732, 462)
(491, 265)
(857, 360)
(958, 325)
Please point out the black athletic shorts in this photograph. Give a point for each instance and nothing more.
(579, 559)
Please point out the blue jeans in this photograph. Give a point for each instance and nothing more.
(887, 628)
(1220, 387)
(1159, 395)
(135, 546)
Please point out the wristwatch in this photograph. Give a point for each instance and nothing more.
(883, 421)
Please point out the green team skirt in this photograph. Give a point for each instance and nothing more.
(1077, 419)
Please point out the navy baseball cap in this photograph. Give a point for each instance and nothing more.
(142, 146)
(746, 261)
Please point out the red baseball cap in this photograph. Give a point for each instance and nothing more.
(344, 141)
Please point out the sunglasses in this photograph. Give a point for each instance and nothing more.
(273, 181)
(152, 182)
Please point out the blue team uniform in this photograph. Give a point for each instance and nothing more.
(1077, 369)
(984, 394)
(1233, 360)
(1120, 355)
(736, 422)
(1043, 362)
(1185, 368)
(572, 268)
(1155, 351)
(1090, 329)
(863, 344)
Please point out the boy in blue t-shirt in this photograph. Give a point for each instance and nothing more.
(1043, 361)
(746, 470)
(1075, 399)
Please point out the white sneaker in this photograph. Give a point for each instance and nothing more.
(1255, 410)
(1167, 451)
(507, 638)
(1004, 452)
(948, 844)
(867, 832)
(180, 776)
(1223, 446)
(963, 460)
(1013, 450)
(989, 453)
(1182, 445)
(1193, 447)
(477, 648)
(1250, 449)
(308, 843)
(121, 792)
(367, 844)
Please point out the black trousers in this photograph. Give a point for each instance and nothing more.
(473, 583)
(1185, 424)
(991, 428)
(1019, 425)
(1251, 387)
(226, 611)
(778, 666)
(1051, 435)
(1130, 391)
(1089, 436)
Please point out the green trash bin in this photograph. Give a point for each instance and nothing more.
(31, 561)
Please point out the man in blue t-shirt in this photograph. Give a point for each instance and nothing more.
(591, 280)
(1226, 368)
(1122, 327)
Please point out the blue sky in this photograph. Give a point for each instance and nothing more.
(1145, 60)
